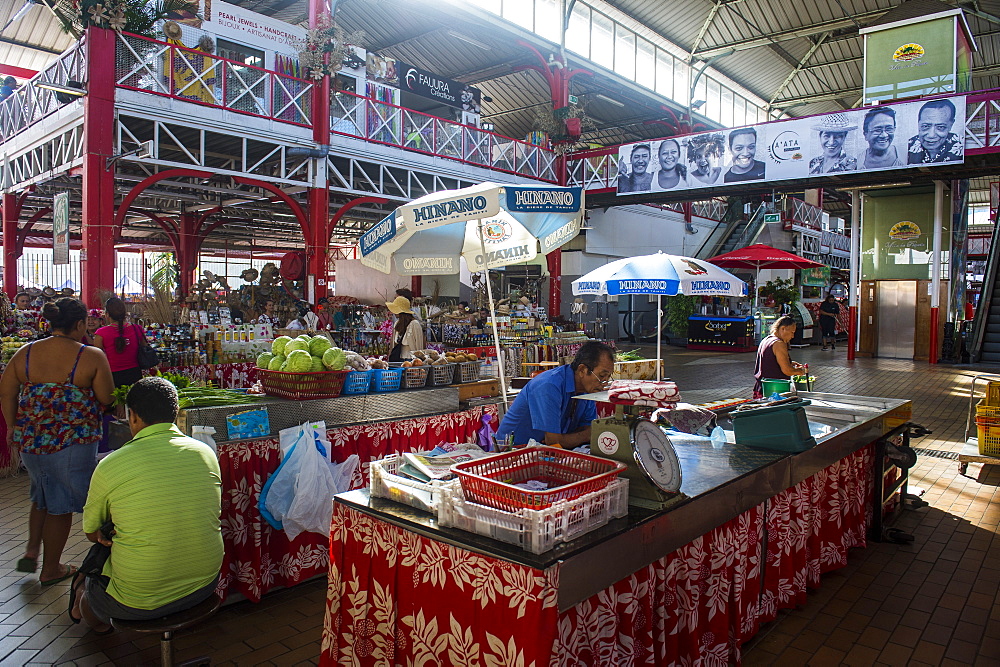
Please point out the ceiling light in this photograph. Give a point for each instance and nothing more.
(610, 100)
(468, 40)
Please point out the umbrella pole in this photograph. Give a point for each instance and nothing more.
(493, 315)
(659, 337)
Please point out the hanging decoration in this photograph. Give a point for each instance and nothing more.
(325, 47)
(139, 17)
(564, 125)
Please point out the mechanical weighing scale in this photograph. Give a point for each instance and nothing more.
(654, 471)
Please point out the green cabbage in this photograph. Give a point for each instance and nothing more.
(319, 345)
(335, 359)
(305, 338)
(317, 365)
(264, 359)
(296, 344)
(276, 362)
(278, 346)
(299, 361)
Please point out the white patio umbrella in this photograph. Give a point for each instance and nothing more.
(489, 225)
(662, 275)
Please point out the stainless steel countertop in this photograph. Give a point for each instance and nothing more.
(720, 484)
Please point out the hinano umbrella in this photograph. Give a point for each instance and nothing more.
(759, 256)
(490, 225)
(662, 275)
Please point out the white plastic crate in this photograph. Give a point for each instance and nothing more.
(385, 483)
(536, 531)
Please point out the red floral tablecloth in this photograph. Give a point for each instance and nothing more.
(395, 597)
(258, 557)
(226, 376)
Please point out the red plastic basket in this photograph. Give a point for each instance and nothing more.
(490, 481)
(296, 386)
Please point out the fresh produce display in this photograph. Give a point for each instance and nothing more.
(319, 345)
(435, 358)
(201, 397)
(278, 346)
(631, 355)
(179, 381)
(298, 361)
(264, 359)
(296, 345)
(335, 359)
(9, 345)
(276, 362)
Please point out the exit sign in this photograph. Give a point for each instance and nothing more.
(573, 99)
(772, 217)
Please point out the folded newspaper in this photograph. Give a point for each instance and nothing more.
(439, 467)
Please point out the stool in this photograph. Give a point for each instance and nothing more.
(168, 625)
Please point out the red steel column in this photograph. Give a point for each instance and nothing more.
(11, 213)
(318, 234)
(97, 259)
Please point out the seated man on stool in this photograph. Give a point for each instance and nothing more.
(546, 410)
(163, 491)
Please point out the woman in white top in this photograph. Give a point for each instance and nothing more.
(407, 333)
(672, 173)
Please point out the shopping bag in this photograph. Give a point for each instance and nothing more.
(279, 489)
(311, 508)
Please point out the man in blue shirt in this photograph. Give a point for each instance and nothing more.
(546, 409)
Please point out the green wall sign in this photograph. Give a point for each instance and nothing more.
(910, 61)
(896, 237)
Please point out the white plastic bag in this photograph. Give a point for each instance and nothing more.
(298, 495)
(204, 434)
(343, 473)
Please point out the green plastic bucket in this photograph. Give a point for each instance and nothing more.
(780, 386)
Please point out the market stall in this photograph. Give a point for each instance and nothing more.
(689, 584)
(259, 558)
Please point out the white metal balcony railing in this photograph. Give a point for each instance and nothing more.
(392, 125)
(193, 76)
(31, 102)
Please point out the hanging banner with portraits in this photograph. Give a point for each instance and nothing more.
(891, 136)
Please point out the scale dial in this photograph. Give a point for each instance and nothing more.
(656, 457)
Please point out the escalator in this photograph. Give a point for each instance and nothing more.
(984, 343)
(735, 230)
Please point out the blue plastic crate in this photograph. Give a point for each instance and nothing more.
(357, 382)
(386, 379)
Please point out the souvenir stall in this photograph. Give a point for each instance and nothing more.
(706, 542)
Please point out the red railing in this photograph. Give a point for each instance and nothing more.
(173, 71)
(392, 125)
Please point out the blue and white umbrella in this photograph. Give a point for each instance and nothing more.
(662, 275)
(430, 234)
(489, 225)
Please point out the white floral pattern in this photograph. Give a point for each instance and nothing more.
(696, 606)
(259, 558)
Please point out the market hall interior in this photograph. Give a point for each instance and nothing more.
(935, 601)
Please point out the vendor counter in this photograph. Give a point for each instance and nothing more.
(686, 585)
(730, 334)
(259, 558)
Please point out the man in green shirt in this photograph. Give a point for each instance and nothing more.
(163, 492)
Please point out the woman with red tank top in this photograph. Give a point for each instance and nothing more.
(773, 362)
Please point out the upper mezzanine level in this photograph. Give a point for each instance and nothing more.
(163, 84)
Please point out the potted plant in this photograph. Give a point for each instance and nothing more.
(780, 291)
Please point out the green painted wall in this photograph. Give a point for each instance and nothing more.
(888, 252)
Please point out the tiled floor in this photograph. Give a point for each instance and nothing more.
(933, 602)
